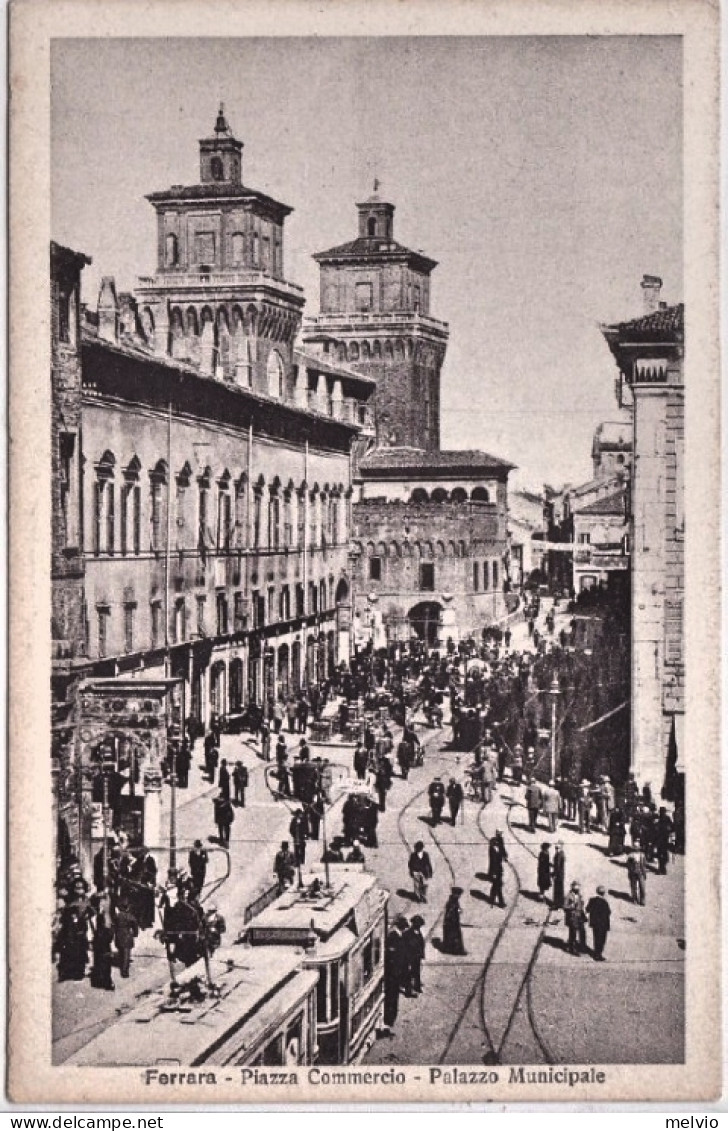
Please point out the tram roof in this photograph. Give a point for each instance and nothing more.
(298, 916)
(255, 985)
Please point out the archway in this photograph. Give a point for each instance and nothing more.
(217, 689)
(424, 620)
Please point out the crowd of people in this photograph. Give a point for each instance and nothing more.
(494, 697)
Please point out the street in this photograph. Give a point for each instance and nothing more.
(517, 995)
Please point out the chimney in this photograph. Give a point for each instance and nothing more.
(108, 310)
(651, 286)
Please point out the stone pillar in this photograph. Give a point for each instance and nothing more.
(322, 395)
(337, 401)
(152, 777)
(207, 348)
(300, 392)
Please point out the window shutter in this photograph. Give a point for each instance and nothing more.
(137, 519)
(110, 519)
(98, 497)
(125, 491)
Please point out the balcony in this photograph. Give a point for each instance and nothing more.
(375, 318)
(188, 280)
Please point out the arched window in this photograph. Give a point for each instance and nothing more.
(275, 373)
(104, 521)
(131, 505)
(158, 480)
(419, 495)
(224, 512)
(238, 249)
(439, 495)
(256, 249)
(458, 495)
(480, 495)
(372, 226)
(171, 253)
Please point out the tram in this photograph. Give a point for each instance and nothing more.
(259, 1010)
(338, 918)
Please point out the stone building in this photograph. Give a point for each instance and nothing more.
(202, 505)
(649, 352)
(430, 538)
(430, 530)
(375, 316)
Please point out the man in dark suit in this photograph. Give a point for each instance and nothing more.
(599, 914)
(497, 857)
(395, 970)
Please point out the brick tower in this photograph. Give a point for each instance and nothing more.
(375, 318)
(219, 298)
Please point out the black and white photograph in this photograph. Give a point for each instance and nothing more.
(367, 741)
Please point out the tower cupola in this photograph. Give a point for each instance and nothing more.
(376, 218)
(221, 156)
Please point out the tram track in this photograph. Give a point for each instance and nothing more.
(479, 989)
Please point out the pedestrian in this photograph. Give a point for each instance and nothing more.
(284, 867)
(404, 758)
(224, 817)
(326, 780)
(395, 970)
(551, 805)
(360, 761)
(544, 870)
(223, 779)
(455, 797)
(126, 929)
(599, 913)
(302, 713)
(71, 943)
(264, 741)
(497, 857)
(663, 833)
(304, 751)
(617, 832)
(298, 829)
(240, 783)
(575, 918)
(198, 860)
(284, 781)
(583, 806)
(558, 871)
(534, 799)
(517, 765)
(314, 814)
(436, 794)
(452, 934)
(420, 869)
(101, 947)
(414, 946)
(277, 716)
(291, 712)
(382, 782)
(637, 873)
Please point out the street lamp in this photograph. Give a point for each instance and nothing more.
(554, 692)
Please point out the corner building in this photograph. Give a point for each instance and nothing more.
(430, 547)
(649, 352)
(202, 473)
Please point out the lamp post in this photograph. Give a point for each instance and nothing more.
(554, 692)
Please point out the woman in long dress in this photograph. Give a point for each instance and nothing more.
(452, 935)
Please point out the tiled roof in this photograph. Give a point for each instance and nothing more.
(613, 504)
(218, 191)
(418, 459)
(668, 320)
(374, 247)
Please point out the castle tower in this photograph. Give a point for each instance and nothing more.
(219, 298)
(375, 318)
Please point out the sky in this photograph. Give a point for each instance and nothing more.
(544, 174)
